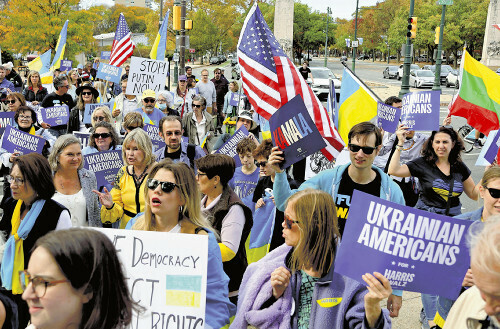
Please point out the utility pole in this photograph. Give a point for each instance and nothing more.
(328, 13)
(183, 37)
(161, 13)
(437, 77)
(405, 84)
(355, 38)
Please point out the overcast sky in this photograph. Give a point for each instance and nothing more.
(340, 8)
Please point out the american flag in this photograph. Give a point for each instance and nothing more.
(123, 46)
(270, 79)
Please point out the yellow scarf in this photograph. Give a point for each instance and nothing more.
(19, 253)
(32, 130)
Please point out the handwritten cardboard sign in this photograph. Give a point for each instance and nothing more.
(421, 110)
(229, 148)
(109, 73)
(105, 166)
(146, 74)
(388, 117)
(55, 115)
(15, 140)
(167, 275)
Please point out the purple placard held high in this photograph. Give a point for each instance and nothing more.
(15, 140)
(388, 117)
(6, 119)
(105, 166)
(407, 245)
(66, 65)
(55, 115)
(89, 109)
(294, 132)
(83, 137)
(154, 133)
(229, 148)
(421, 110)
(235, 99)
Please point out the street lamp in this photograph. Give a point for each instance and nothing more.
(328, 13)
(355, 38)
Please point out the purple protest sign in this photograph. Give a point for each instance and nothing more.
(421, 110)
(492, 147)
(235, 99)
(14, 140)
(294, 132)
(89, 109)
(229, 148)
(83, 137)
(105, 166)
(66, 65)
(6, 119)
(154, 133)
(55, 115)
(407, 245)
(388, 117)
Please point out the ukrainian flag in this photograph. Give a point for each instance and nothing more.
(56, 62)
(41, 64)
(183, 290)
(357, 104)
(259, 240)
(160, 44)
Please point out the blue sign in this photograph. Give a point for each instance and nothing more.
(421, 110)
(105, 166)
(154, 133)
(83, 137)
(408, 246)
(235, 99)
(229, 148)
(105, 54)
(15, 140)
(89, 109)
(55, 115)
(66, 65)
(109, 73)
(294, 132)
(6, 119)
(388, 117)
(490, 149)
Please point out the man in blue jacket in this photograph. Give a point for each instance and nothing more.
(365, 141)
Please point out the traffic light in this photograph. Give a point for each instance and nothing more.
(412, 27)
(438, 30)
(188, 24)
(176, 21)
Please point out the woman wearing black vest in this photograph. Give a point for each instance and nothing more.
(29, 214)
(228, 215)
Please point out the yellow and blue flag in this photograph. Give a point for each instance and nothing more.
(357, 104)
(183, 290)
(259, 240)
(160, 44)
(41, 64)
(60, 47)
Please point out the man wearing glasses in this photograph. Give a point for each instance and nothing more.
(206, 89)
(365, 141)
(59, 97)
(150, 114)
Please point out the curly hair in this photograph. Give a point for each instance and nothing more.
(114, 136)
(264, 149)
(454, 157)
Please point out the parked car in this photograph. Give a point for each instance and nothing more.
(234, 61)
(445, 69)
(363, 57)
(421, 79)
(498, 71)
(322, 77)
(421, 58)
(390, 72)
(222, 59)
(343, 58)
(235, 72)
(214, 60)
(413, 67)
(392, 57)
(452, 79)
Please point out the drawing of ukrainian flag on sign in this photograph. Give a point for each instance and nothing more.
(183, 290)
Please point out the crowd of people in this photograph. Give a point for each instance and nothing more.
(57, 274)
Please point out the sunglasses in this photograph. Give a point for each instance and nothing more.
(132, 128)
(196, 106)
(166, 187)
(149, 100)
(12, 101)
(103, 135)
(366, 149)
(261, 164)
(289, 222)
(99, 118)
(495, 193)
(88, 93)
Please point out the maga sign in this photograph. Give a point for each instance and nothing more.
(146, 74)
(167, 275)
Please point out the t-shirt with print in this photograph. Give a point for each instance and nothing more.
(243, 184)
(305, 72)
(435, 186)
(344, 195)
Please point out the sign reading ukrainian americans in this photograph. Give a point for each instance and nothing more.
(105, 165)
(15, 140)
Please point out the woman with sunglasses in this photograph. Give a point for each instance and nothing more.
(293, 286)
(104, 138)
(28, 215)
(35, 92)
(266, 183)
(14, 101)
(126, 199)
(101, 113)
(227, 213)
(85, 95)
(71, 275)
(172, 206)
(198, 123)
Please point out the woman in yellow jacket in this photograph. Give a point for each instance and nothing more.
(126, 198)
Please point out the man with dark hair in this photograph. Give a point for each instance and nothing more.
(365, 141)
(59, 97)
(221, 88)
(189, 73)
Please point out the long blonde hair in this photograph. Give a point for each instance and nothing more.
(319, 233)
(188, 188)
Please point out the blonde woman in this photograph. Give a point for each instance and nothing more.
(73, 82)
(35, 92)
(101, 113)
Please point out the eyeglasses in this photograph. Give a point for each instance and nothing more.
(38, 285)
(166, 187)
(149, 100)
(24, 117)
(495, 193)
(261, 164)
(196, 105)
(67, 86)
(132, 128)
(289, 222)
(99, 118)
(103, 135)
(161, 101)
(200, 174)
(176, 133)
(366, 149)
(204, 75)
(18, 181)
(182, 81)
(86, 93)
(12, 101)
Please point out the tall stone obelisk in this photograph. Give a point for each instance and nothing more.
(283, 25)
(491, 44)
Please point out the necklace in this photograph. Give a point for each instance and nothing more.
(141, 176)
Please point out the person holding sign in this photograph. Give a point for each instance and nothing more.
(28, 215)
(74, 184)
(227, 213)
(72, 274)
(85, 95)
(299, 277)
(124, 104)
(230, 107)
(101, 113)
(150, 114)
(172, 206)
(199, 123)
(59, 97)
(15, 100)
(35, 93)
(126, 199)
(104, 138)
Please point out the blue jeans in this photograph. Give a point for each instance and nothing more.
(430, 305)
(58, 131)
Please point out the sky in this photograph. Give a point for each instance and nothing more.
(340, 8)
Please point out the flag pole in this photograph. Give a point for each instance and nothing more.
(361, 81)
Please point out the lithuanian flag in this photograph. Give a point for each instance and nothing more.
(479, 96)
